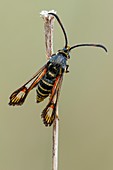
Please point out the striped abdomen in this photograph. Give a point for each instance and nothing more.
(46, 84)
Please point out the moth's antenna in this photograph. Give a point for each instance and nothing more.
(91, 45)
(62, 27)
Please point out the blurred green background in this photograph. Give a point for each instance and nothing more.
(86, 100)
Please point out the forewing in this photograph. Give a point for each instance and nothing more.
(18, 97)
(49, 113)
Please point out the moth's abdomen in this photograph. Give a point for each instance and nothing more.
(44, 88)
(46, 84)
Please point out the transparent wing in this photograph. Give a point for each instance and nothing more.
(18, 97)
(49, 113)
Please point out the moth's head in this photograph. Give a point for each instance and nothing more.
(65, 51)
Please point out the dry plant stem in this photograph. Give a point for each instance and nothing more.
(55, 143)
(48, 30)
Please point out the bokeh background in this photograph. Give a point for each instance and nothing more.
(86, 100)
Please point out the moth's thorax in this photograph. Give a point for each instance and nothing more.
(59, 59)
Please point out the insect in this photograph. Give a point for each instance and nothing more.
(48, 79)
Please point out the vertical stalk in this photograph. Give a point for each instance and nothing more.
(48, 31)
(55, 143)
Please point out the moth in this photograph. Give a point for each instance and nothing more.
(48, 79)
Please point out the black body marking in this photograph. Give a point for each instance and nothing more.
(56, 66)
